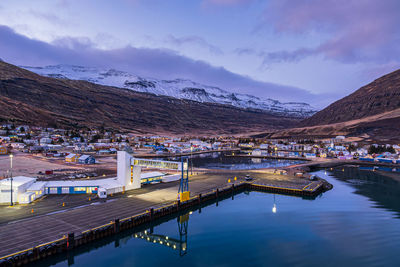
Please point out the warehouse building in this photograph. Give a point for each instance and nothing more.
(26, 189)
(20, 184)
(129, 176)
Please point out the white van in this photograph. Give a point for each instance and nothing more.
(102, 193)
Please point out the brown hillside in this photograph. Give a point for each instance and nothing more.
(383, 127)
(380, 96)
(30, 98)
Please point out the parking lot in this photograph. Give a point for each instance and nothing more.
(32, 165)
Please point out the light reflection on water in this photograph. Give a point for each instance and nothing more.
(355, 224)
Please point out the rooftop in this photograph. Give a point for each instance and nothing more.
(17, 181)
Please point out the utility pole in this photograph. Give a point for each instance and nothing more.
(191, 159)
(11, 178)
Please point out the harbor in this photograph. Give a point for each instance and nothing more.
(57, 223)
(70, 214)
(251, 215)
(25, 228)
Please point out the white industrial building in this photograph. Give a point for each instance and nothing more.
(20, 184)
(129, 176)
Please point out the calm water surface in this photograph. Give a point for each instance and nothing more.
(218, 160)
(355, 224)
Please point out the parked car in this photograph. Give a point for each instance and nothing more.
(248, 178)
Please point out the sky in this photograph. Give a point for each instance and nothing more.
(314, 51)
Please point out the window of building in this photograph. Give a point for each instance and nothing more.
(81, 188)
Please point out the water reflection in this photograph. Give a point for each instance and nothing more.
(274, 206)
(349, 226)
(167, 241)
(384, 190)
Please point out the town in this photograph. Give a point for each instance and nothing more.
(46, 160)
(201, 133)
(86, 147)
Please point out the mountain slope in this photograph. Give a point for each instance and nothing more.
(178, 88)
(383, 127)
(380, 96)
(372, 113)
(30, 98)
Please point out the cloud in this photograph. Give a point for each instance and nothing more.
(74, 43)
(358, 31)
(286, 56)
(159, 63)
(51, 18)
(277, 56)
(245, 51)
(196, 40)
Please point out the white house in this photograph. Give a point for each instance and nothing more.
(45, 140)
(256, 152)
(264, 146)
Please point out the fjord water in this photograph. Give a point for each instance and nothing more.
(355, 224)
(218, 160)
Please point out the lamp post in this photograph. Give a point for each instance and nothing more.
(191, 159)
(11, 178)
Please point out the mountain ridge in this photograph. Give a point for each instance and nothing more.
(381, 95)
(27, 97)
(178, 88)
(371, 113)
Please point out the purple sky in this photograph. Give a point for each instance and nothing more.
(303, 50)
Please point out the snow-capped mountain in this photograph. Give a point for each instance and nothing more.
(178, 88)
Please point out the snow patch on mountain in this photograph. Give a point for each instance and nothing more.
(178, 88)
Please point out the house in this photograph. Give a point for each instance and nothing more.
(3, 150)
(71, 158)
(17, 145)
(246, 145)
(264, 146)
(45, 140)
(36, 149)
(104, 152)
(86, 159)
(256, 152)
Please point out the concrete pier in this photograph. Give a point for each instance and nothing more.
(21, 230)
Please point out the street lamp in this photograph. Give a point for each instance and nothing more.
(11, 178)
(191, 159)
